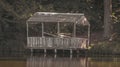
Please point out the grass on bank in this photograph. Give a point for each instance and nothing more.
(105, 48)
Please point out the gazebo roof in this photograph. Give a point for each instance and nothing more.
(78, 18)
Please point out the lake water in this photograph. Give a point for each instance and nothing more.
(51, 61)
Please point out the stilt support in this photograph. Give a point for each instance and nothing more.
(63, 52)
(71, 52)
(45, 51)
(31, 52)
(55, 51)
(77, 51)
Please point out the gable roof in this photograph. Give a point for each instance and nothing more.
(78, 18)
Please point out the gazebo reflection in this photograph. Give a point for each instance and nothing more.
(35, 61)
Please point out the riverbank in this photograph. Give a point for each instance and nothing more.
(105, 48)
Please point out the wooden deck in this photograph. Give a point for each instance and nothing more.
(56, 43)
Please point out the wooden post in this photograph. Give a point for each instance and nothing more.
(74, 31)
(88, 35)
(63, 52)
(27, 31)
(42, 29)
(58, 28)
(55, 51)
(71, 51)
(27, 28)
(45, 51)
(31, 52)
(77, 51)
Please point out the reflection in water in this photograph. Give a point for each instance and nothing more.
(104, 62)
(35, 61)
(56, 62)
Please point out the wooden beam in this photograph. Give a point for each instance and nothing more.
(50, 34)
(42, 29)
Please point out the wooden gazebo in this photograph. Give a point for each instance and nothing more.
(57, 42)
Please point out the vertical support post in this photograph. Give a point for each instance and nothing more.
(42, 29)
(43, 40)
(74, 31)
(27, 31)
(27, 28)
(78, 52)
(55, 51)
(45, 51)
(88, 35)
(58, 28)
(31, 52)
(63, 52)
(71, 52)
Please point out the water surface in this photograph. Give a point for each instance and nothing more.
(38, 61)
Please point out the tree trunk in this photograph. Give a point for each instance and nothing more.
(107, 18)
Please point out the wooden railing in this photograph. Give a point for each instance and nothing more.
(56, 43)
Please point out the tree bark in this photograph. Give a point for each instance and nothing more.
(107, 18)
